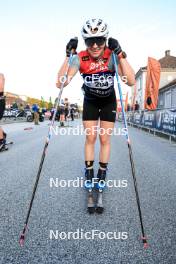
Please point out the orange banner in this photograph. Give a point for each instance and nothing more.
(152, 84)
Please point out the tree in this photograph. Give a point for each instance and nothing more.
(50, 104)
(42, 102)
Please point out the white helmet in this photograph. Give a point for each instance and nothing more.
(94, 28)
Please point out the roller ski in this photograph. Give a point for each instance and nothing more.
(3, 144)
(9, 143)
(95, 187)
(4, 147)
(100, 185)
(89, 175)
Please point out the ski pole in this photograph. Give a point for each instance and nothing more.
(22, 236)
(144, 239)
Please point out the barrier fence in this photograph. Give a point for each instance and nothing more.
(161, 119)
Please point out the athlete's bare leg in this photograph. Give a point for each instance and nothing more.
(91, 135)
(106, 129)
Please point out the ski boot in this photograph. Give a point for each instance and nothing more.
(62, 124)
(89, 175)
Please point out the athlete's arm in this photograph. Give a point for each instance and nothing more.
(125, 70)
(73, 68)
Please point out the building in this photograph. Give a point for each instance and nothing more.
(13, 98)
(168, 74)
(167, 95)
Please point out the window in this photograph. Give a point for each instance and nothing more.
(173, 98)
(167, 99)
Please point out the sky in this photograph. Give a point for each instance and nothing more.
(33, 36)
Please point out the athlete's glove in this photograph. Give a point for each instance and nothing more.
(114, 45)
(71, 46)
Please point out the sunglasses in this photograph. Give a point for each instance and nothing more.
(98, 40)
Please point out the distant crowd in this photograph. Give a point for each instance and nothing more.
(64, 111)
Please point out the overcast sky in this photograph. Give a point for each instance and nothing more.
(33, 35)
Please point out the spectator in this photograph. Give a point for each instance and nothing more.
(136, 106)
(27, 107)
(14, 106)
(35, 109)
(72, 113)
(3, 145)
(66, 110)
(62, 114)
(128, 107)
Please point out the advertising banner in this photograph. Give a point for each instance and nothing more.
(163, 120)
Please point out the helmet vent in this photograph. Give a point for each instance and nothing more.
(94, 30)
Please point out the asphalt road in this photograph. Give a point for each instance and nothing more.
(60, 209)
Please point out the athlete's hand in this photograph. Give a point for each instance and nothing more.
(71, 46)
(114, 45)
